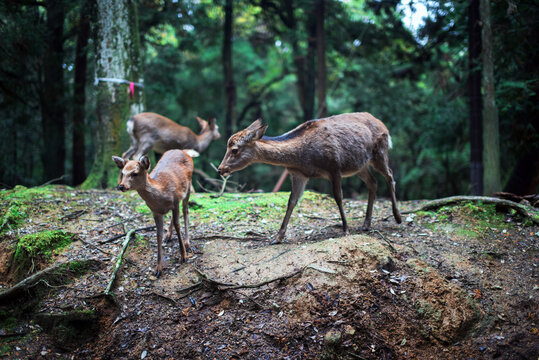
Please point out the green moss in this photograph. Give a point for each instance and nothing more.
(24, 194)
(231, 207)
(13, 217)
(143, 209)
(78, 267)
(42, 244)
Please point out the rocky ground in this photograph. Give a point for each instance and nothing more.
(458, 282)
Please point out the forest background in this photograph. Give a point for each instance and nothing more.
(438, 83)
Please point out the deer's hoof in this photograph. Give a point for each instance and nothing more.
(277, 240)
(158, 273)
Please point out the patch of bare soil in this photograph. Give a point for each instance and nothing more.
(425, 289)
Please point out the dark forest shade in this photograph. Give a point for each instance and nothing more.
(230, 87)
(52, 97)
(474, 95)
(79, 96)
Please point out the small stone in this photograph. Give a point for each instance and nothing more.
(332, 337)
(349, 330)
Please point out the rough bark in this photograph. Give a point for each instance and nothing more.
(474, 96)
(320, 59)
(230, 87)
(79, 96)
(491, 135)
(117, 52)
(52, 97)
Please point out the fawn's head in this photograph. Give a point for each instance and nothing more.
(240, 148)
(209, 126)
(132, 172)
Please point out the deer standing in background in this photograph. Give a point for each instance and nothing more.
(162, 190)
(153, 131)
(331, 148)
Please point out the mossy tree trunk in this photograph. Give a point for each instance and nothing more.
(117, 53)
(491, 133)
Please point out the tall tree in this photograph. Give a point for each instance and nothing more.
(230, 87)
(79, 94)
(117, 52)
(491, 135)
(474, 96)
(320, 59)
(52, 96)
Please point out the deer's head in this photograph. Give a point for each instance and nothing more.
(209, 126)
(133, 173)
(240, 150)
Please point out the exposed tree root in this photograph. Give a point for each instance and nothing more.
(54, 274)
(435, 204)
(145, 228)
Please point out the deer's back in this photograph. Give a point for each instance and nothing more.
(173, 171)
(165, 133)
(343, 143)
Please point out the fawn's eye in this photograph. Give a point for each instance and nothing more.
(234, 151)
(135, 174)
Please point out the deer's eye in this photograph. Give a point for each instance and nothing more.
(135, 174)
(234, 151)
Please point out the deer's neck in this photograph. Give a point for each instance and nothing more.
(203, 140)
(277, 153)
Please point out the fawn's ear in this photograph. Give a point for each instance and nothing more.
(201, 122)
(145, 162)
(119, 161)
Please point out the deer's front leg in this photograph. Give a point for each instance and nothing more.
(337, 194)
(176, 222)
(298, 185)
(160, 262)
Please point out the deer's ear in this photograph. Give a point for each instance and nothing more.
(255, 125)
(145, 162)
(258, 133)
(201, 122)
(211, 121)
(119, 161)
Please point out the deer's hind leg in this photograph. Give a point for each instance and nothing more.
(380, 163)
(367, 177)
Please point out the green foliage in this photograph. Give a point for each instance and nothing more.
(42, 245)
(413, 81)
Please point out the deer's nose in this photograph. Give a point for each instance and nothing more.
(121, 187)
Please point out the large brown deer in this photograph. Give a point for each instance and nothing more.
(153, 131)
(331, 148)
(162, 190)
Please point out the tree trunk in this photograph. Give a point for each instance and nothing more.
(117, 52)
(79, 96)
(491, 140)
(310, 70)
(474, 95)
(52, 97)
(230, 87)
(320, 59)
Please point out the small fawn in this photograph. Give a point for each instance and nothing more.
(162, 190)
(332, 148)
(153, 131)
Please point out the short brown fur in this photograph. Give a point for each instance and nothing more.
(332, 148)
(153, 131)
(162, 190)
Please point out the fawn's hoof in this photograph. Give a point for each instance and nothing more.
(158, 273)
